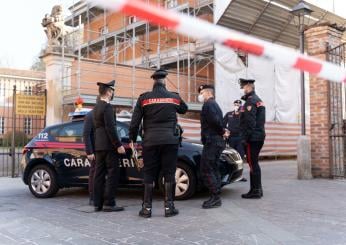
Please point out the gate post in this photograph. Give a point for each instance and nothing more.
(318, 38)
(13, 142)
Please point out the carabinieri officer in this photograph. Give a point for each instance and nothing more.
(158, 109)
(252, 120)
(107, 147)
(212, 133)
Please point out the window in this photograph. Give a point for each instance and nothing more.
(123, 131)
(28, 125)
(28, 90)
(171, 3)
(103, 30)
(132, 19)
(71, 132)
(2, 125)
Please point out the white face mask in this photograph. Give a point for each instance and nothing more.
(200, 98)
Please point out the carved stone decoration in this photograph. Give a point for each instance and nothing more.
(55, 27)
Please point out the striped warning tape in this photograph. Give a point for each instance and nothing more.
(200, 29)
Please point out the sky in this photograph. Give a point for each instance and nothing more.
(22, 36)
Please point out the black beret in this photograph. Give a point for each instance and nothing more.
(159, 74)
(237, 101)
(205, 86)
(109, 85)
(244, 82)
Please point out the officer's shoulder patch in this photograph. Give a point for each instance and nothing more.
(259, 104)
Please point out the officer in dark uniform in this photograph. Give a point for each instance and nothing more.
(107, 147)
(89, 141)
(158, 110)
(231, 121)
(212, 133)
(252, 122)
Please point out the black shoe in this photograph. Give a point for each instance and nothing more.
(145, 212)
(97, 209)
(213, 202)
(208, 201)
(253, 194)
(170, 210)
(112, 208)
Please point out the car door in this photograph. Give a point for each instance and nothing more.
(69, 155)
(129, 173)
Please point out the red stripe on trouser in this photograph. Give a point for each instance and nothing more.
(248, 155)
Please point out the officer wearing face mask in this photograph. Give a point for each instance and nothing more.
(231, 121)
(212, 137)
(107, 148)
(252, 122)
(158, 109)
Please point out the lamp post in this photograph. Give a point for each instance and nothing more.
(301, 10)
(303, 145)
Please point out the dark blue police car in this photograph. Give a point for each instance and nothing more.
(56, 159)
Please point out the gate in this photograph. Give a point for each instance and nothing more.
(337, 129)
(19, 120)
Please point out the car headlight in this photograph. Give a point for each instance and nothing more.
(233, 155)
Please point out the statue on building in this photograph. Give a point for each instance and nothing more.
(55, 27)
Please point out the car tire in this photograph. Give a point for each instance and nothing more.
(185, 181)
(42, 182)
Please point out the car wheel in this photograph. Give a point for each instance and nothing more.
(185, 182)
(42, 182)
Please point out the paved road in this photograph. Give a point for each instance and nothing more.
(291, 212)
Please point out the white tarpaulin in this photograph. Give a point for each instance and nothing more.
(278, 87)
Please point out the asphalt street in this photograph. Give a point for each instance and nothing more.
(291, 212)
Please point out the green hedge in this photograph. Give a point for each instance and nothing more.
(20, 139)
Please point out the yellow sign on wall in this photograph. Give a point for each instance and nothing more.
(30, 105)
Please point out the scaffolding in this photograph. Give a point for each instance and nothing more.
(119, 40)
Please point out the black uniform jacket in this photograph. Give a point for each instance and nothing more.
(88, 134)
(252, 118)
(212, 128)
(106, 136)
(231, 121)
(158, 109)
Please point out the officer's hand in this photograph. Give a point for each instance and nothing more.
(91, 157)
(227, 133)
(121, 150)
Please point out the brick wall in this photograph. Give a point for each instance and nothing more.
(317, 39)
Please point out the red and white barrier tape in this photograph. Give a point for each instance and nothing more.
(200, 29)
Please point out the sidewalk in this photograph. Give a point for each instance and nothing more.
(291, 212)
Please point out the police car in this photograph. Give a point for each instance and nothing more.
(56, 159)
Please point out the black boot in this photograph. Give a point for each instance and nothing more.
(251, 187)
(256, 192)
(213, 202)
(147, 201)
(170, 210)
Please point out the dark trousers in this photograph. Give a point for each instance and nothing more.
(91, 177)
(107, 164)
(160, 157)
(210, 168)
(236, 143)
(253, 149)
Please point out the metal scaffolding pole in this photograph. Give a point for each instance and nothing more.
(133, 65)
